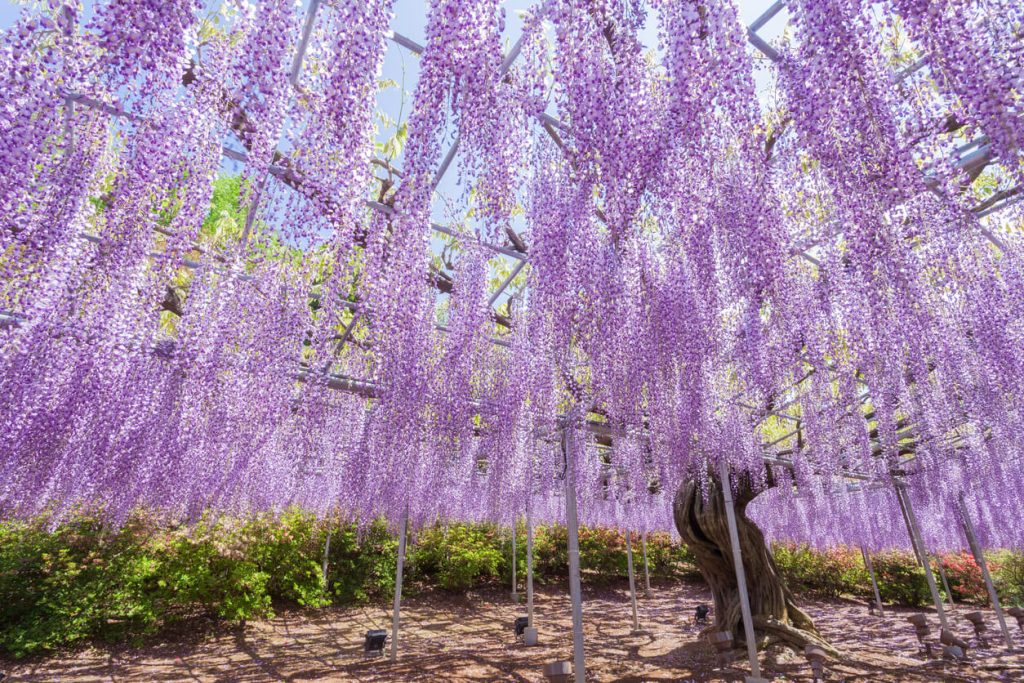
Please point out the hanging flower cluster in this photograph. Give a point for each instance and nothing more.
(809, 295)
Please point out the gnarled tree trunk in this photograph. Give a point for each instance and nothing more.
(704, 527)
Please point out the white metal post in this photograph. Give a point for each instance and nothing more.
(515, 561)
(327, 554)
(398, 583)
(741, 575)
(529, 564)
(915, 539)
(979, 557)
(632, 580)
(572, 528)
(874, 581)
(945, 582)
(647, 574)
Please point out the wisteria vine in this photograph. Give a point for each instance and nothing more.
(805, 288)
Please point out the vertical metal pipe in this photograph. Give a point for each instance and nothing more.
(529, 564)
(445, 163)
(741, 575)
(572, 528)
(398, 583)
(327, 554)
(647, 574)
(874, 581)
(300, 49)
(979, 557)
(632, 579)
(945, 582)
(915, 539)
(515, 595)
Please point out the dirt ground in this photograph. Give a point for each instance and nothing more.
(469, 638)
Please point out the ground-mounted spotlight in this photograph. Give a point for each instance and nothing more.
(977, 620)
(700, 615)
(816, 658)
(520, 626)
(373, 645)
(953, 647)
(558, 672)
(1018, 614)
(922, 631)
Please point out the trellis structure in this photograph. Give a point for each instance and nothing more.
(783, 451)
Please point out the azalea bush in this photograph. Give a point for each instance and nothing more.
(964, 577)
(81, 579)
(603, 555)
(828, 574)
(840, 572)
(1008, 574)
(458, 556)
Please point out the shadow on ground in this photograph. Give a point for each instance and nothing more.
(448, 637)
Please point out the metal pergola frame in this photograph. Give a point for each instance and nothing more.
(978, 158)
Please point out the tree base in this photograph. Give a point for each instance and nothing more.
(703, 526)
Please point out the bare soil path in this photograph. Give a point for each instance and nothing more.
(469, 638)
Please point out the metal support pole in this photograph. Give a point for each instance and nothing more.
(915, 539)
(327, 554)
(572, 528)
(632, 579)
(945, 583)
(529, 565)
(515, 560)
(647, 574)
(979, 557)
(398, 583)
(906, 522)
(874, 582)
(741, 575)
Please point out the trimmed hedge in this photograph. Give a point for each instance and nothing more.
(81, 580)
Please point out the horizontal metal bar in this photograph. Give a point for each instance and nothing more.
(781, 439)
(300, 49)
(552, 121)
(512, 55)
(445, 163)
(766, 49)
(741, 404)
(768, 15)
(906, 73)
(445, 230)
(494, 340)
(407, 43)
(1000, 205)
(508, 280)
(93, 103)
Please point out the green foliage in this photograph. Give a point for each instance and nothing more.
(79, 580)
(603, 555)
(83, 580)
(226, 217)
(551, 554)
(829, 574)
(668, 559)
(460, 556)
(901, 579)
(841, 572)
(362, 562)
(287, 550)
(1007, 569)
(75, 582)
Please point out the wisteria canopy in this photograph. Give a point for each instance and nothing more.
(822, 285)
